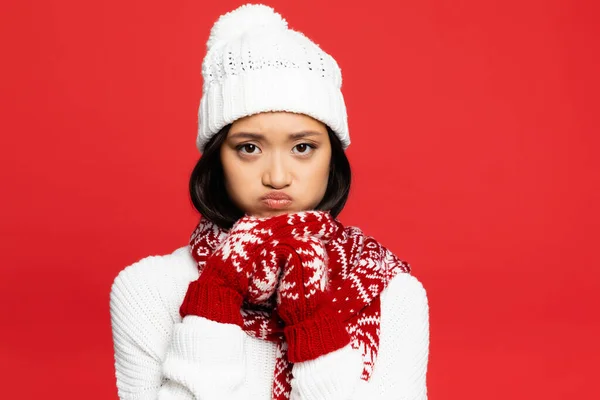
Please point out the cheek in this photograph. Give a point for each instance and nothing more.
(233, 176)
(230, 171)
(238, 180)
(316, 176)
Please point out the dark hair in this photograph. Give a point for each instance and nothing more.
(210, 198)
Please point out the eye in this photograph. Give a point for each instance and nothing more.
(247, 146)
(305, 148)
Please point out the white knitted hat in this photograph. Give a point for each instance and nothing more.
(254, 64)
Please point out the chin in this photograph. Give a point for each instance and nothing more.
(272, 213)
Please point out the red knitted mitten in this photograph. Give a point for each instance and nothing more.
(225, 280)
(304, 301)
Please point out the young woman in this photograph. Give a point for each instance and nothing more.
(273, 298)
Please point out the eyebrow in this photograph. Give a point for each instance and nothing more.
(258, 136)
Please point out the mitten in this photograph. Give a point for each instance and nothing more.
(225, 280)
(304, 300)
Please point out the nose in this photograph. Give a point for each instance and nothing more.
(276, 173)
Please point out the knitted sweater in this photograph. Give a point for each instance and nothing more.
(159, 355)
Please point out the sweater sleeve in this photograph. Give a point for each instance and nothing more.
(332, 376)
(401, 366)
(206, 358)
(158, 356)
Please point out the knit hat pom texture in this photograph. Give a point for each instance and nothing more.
(243, 19)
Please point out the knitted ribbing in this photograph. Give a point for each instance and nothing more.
(304, 300)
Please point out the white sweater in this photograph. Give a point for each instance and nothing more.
(159, 355)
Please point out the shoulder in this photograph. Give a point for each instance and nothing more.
(404, 301)
(405, 317)
(152, 284)
(404, 288)
(155, 268)
(402, 360)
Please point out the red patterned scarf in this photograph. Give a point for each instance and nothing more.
(360, 269)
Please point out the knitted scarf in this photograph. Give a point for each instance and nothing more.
(360, 269)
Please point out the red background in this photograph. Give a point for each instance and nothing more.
(474, 150)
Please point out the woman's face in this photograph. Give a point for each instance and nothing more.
(276, 152)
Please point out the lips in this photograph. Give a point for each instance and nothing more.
(276, 196)
(277, 200)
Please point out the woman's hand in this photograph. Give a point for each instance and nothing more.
(240, 268)
(304, 300)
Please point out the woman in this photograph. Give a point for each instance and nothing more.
(273, 298)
